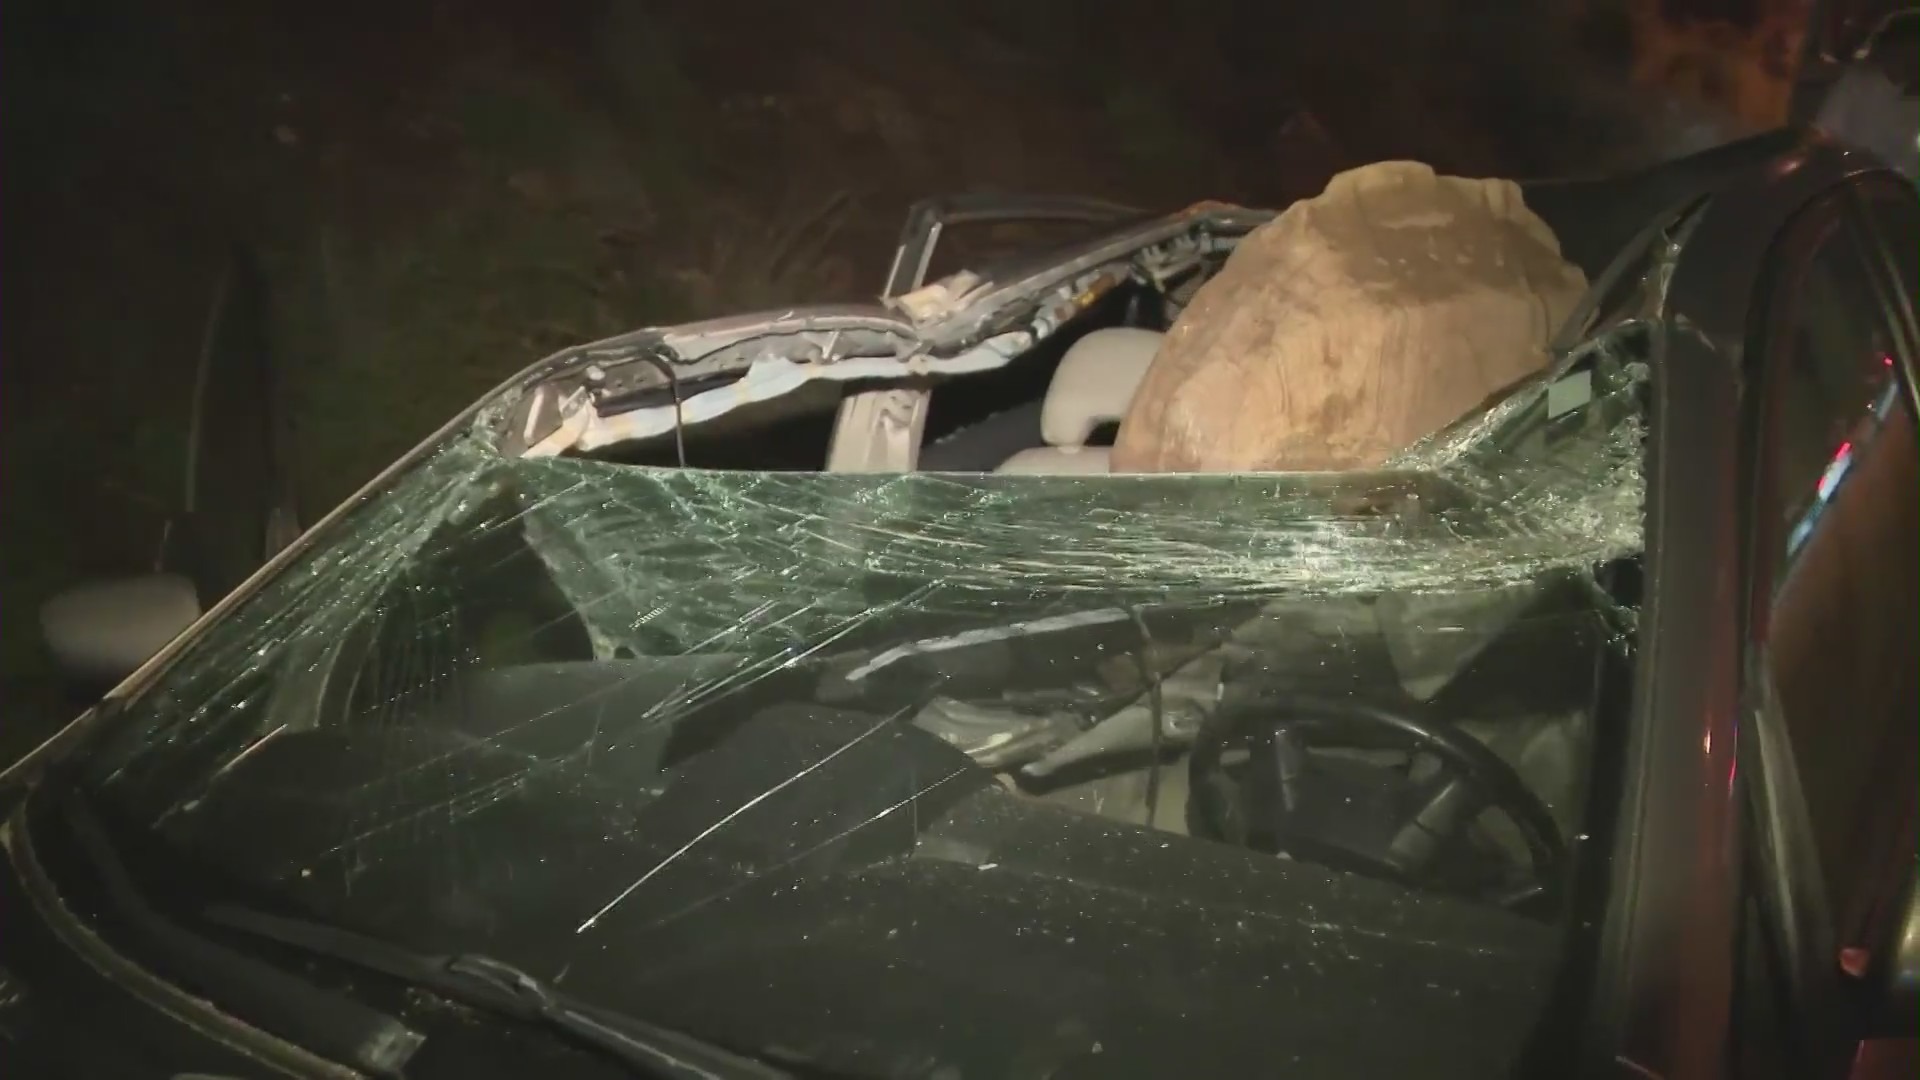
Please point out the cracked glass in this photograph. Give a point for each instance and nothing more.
(893, 774)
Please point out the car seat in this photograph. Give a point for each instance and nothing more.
(1092, 387)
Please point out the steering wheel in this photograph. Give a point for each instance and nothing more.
(1408, 825)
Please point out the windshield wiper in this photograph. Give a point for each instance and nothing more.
(497, 987)
(329, 1024)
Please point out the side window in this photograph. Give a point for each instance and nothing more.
(1829, 381)
(1837, 535)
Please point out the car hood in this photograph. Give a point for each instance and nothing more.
(850, 894)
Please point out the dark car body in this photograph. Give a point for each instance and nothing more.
(1720, 821)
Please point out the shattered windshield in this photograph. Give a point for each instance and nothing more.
(945, 775)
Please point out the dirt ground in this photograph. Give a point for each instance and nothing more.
(442, 192)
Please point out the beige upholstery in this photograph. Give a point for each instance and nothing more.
(1093, 385)
(1059, 461)
(1095, 382)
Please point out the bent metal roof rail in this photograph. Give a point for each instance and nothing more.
(641, 385)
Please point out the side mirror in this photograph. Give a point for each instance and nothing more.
(104, 630)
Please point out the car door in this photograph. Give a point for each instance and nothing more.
(1833, 644)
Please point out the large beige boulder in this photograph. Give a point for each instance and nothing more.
(1353, 325)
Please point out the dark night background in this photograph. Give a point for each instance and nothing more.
(438, 193)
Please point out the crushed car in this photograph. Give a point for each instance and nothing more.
(965, 755)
